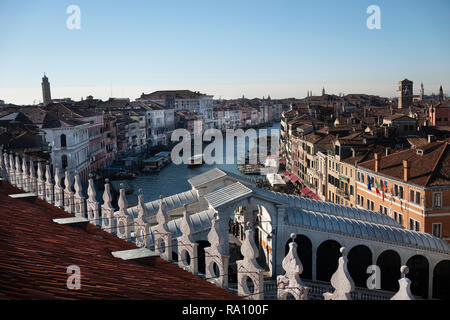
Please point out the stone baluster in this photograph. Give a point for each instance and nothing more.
(12, 170)
(79, 201)
(341, 281)
(49, 186)
(19, 183)
(6, 166)
(290, 283)
(3, 172)
(404, 291)
(69, 194)
(92, 203)
(161, 233)
(108, 222)
(59, 190)
(249, 268)
(141, 226)
(123, 219)
(187, 248)
(216, 259)
(40, 182)
(33, 179)
(25, 175)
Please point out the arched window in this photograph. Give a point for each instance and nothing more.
(63, 141)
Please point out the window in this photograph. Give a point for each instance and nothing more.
(395, 216)
(351, 190)
(411, 224)
(437, 199)
(417, 226)
(437, 229)
(400, 218)
(63, 141)
(400, 189)
(418, 197)
(411, 195)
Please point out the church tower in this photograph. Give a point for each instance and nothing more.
(47, 98)
(441, 94)
(405, 93)
(421, 91)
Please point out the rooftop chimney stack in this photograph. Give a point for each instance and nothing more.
(377, 162)
(430, 138)
(405, 170)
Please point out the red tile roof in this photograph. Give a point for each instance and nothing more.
(35, 253)
(432, 168)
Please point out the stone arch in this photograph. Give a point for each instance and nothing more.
(389, 262)
(304, 251)
(202, 244)
(418, 274)
(441, 280)
(359, 258)
(328, 255)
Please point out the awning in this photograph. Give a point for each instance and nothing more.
(286, 173)
(314, 196)
(281, 161)
(305, 191)
(293, 178)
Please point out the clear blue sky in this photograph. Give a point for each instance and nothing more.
(226, 48)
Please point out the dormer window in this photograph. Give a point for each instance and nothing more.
(419, 152)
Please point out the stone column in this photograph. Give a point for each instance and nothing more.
(18, 173)
(33, 180)
(25, 175)
(12, 170)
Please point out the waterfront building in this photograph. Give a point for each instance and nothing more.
(411, 186)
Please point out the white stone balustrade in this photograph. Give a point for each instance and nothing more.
(12, 170)
(25, 175)
(33, 179)
(18, 172)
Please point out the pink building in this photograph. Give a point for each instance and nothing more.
(440, 114)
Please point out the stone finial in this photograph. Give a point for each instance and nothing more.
(161, 216)
(291, 282)
(215, 237)
(122, 202)
(341, 281)
(249, 249)
(25, 166)
(91, 189)
(404, 291)
(186, 226)
(78, 187)
(11, 161)
(141, 208)
(57, 177)
(32, 169)
(107, 197)
(68, 181)
(40, 172)
(18, 165)
(48, 175)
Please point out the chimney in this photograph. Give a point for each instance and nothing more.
(377, 162)
(388, 150)
(405, 170)
(430, 138)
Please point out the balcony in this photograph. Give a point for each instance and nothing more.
(343, 194)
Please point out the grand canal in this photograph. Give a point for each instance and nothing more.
(173, 178)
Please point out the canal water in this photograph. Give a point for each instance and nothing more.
(173, 178)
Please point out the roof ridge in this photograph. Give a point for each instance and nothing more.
(433, 172)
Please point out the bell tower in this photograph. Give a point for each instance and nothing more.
(47, 98)
(405, 93)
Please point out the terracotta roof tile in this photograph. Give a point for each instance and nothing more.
(35, 254)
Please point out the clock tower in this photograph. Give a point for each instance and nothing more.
(405, 93)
